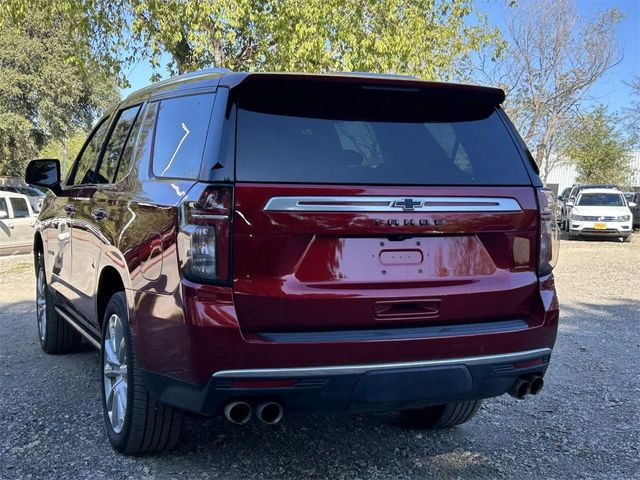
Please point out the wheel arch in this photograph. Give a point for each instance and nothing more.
(109, 282)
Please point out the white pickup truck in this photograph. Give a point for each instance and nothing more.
(17, 221)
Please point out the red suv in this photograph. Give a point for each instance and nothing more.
(253, 244)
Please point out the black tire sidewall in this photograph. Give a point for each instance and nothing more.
(117, 305)
(40, 266)
(50, 313)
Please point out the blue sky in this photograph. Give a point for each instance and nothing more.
(609, 90)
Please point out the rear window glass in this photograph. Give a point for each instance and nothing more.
(181, 132)
(374, 138)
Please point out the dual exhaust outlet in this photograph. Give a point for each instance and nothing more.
(240, 412)
(527, 385)
(270, 413)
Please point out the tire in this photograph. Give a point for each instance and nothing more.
(442, 416)
(627, 239)
(56, 335)
(140, 424)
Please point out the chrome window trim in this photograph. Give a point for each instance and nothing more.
(391, 204)
(357, 369)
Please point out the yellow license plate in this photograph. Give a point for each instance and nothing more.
(600, 226)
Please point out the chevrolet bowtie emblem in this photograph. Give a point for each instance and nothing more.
(407, 204)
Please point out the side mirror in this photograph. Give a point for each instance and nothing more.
(44, 173)
(3, 214)
(569, 203)
(633, 204)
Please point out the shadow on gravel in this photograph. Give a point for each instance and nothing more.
(612, 311)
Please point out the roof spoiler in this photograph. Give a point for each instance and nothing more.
(471, 93)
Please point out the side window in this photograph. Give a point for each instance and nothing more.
(20, 208)
(3, 207)
(84, 169)
(124, 166)
(181, 131)
(115, 144)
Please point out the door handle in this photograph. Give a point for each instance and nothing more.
(70, 208)
(99, 214)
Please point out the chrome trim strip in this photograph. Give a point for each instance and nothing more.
(355, 369)
(209, 216)
(392, 204)
(80, 330)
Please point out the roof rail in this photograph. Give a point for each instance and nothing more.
(185, 76)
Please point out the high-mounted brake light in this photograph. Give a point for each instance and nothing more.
(204, 239)
(549, 241)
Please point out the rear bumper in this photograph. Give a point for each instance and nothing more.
(193, 356)
(355, 388)
(613, 229)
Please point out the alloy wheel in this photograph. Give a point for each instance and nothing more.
(115, 372)
(41, 304)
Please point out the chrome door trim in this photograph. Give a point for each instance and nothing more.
(391, 204)
(78, 327)
(358, 369)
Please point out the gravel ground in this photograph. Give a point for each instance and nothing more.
(585, 424)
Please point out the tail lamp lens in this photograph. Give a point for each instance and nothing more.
(204, 236)
(549, 236)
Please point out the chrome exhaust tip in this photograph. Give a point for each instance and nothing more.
(536, 385)
(520, 389)
(238, 412)
(269, 413)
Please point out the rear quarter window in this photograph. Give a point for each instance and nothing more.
(374, 138)
(180, 135)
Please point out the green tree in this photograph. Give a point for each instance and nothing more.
(65, 149)
(599, 151)
(45, 94)
(428, 38)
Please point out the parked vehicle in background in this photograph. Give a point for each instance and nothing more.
(633, 200)
(564, 195)
(35, 196)
(568, 204)
(17, 221)
(562, 198)
(253, 244)
(600, 212)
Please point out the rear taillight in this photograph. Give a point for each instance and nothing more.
(204, 239)
(548, 247)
